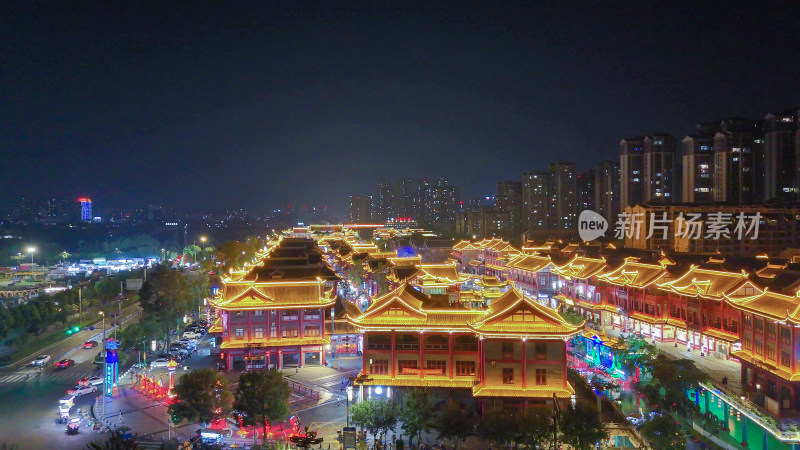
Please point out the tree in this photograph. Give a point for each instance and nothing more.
(116, 441)
(497, 426)
(417, 413)
(107, 288)
(166, 296)
(534, 428)
(454, 422)
(376, 416)
(263, 396)
(664, 433)
(202, 395)
(638, 354)
(581, 427)
(672, 379)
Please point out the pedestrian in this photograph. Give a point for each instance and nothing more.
(120, 416)
(338, 400)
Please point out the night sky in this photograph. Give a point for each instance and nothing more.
(253, 104)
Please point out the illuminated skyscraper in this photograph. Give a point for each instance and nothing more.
(86, 209)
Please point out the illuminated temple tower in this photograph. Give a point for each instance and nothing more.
(273, 313)
(513, 352)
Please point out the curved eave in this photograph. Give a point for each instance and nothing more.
(527, 334)
(327, 303)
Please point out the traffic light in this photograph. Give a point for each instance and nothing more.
(174, 418)
(69, 330)
(76, 329)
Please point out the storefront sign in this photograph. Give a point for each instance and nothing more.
(417, 371)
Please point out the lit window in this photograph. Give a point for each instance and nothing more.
(508, 375)
(541, 376)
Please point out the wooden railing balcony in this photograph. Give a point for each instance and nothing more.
(465, 347)
(406, 346)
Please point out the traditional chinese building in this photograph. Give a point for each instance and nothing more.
(512, 352)
(769, 337)
(703, 318)
(274, 315)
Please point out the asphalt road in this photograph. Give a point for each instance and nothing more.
(29, 415)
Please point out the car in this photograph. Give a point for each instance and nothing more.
(91, 381)
(66, 403)
(191, 335)
(64, 363)
(160, 362)
(89, 344)
(41, 360)
(81, 390)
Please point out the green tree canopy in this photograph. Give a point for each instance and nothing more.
(417, 413)
(534, 428)
(638, 354)
(454, 422)
(202, 395)
(581, 427)
(263, 395)
(376, 416)
(672, 380)
(664, 433)
(497, 426)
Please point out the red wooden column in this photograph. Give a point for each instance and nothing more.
(481, 360)
(393, 361)
(450, 362)
(421, 355)
(524, 365)
(564, 367)
(280, 359)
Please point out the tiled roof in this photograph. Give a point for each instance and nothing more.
(634, 274)
(510, 313)
(581, 267)
(783, 308)
(709, 283)
(456, 382)
(274, 294)
(532, 263)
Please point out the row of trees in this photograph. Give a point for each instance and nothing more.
(38, 313)
(665, 382)
(579, 425)
(261, 397)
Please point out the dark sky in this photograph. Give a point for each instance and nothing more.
(253, 104)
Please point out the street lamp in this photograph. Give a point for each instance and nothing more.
(31, 250)
(203, 241)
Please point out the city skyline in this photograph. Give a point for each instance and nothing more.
(154, 103)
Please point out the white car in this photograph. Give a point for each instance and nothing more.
(67, 402)
(191, 335)
(91, 381)
(160, 362)
(187, 342)
(81, 390)
(41, 360)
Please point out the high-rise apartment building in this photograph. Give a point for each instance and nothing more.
(586, 190)
(535, 200)
(780, 155)
(404, 196)
(445, 203)
(86, 209)
(658, 168)
(360, 208)
(606, 190)
(383, 202)
(509, 199)
(563, 196)
(631, 169)
(698, 168)
(739, 162)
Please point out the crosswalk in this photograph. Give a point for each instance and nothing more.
(333, 382)
(64, 376)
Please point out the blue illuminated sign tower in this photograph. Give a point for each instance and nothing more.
(112, 369)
